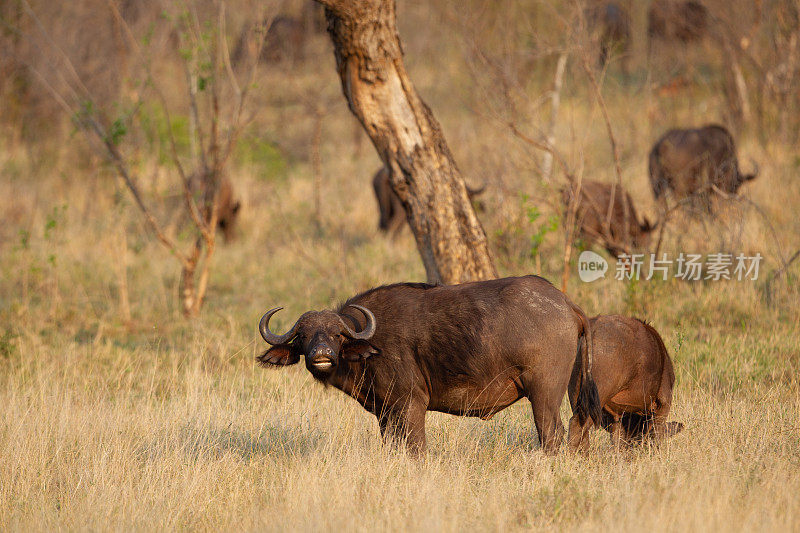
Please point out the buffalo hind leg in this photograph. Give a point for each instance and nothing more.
(405, 425)
(547, 418)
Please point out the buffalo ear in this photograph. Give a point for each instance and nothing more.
(358, 350)
(279, 355)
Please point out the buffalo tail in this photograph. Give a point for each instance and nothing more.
(588, 404)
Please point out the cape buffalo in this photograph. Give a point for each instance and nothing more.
(592, 213)
(471, 349)
(313, 16)
(692, 162)
(634, 377)
(612, 23)
(284, 39)
(392, 212)
(227, 210)
(227, 205)
(677, 20)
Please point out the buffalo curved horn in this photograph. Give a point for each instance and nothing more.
(369, 329)
(271, 338)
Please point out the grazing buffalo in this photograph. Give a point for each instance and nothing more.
(227, 205)
(634, 377)
(285, 39)
(612, 23)
(392, 212)
(594, 224)
(690, 163)
(314, 17)
(683, 21)
(227, 210)
(471, 350)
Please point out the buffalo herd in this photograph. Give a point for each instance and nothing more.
(668, 21)
(475, 348)
(691, 166)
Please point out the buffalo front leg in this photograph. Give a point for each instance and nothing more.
(405, 426)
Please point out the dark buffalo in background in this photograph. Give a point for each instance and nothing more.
(634, 377)
(611, 22)
(471, 349)
(314, 17)
(594, 225)
(227, 210)
(390, 207)
(681, 21)
(228, 206)
(690, 163)
(286, 36)
(285, 40)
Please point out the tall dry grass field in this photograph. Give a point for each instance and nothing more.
(156, 422)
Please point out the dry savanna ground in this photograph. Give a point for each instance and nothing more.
(117, 413)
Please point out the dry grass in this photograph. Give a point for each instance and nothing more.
(159, 423)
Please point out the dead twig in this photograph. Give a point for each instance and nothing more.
(761, 212)
(555, 101)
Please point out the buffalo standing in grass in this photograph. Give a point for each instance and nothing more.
(691, 163)
(634, 378)
(683, 21)
(227, 205)
(471, 349)
(594, 223)
(284, 39)
(612, 23)
(390, 207)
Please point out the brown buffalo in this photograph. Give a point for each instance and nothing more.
(471, 350)
(594, 224)
(227, 210)
(227, 205)
(612, 23)
(285, 39)
(690, 163)
(683, 21)
(634, 377)
(390, 207)
(314, 17)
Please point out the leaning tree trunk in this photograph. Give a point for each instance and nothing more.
(408, 139)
